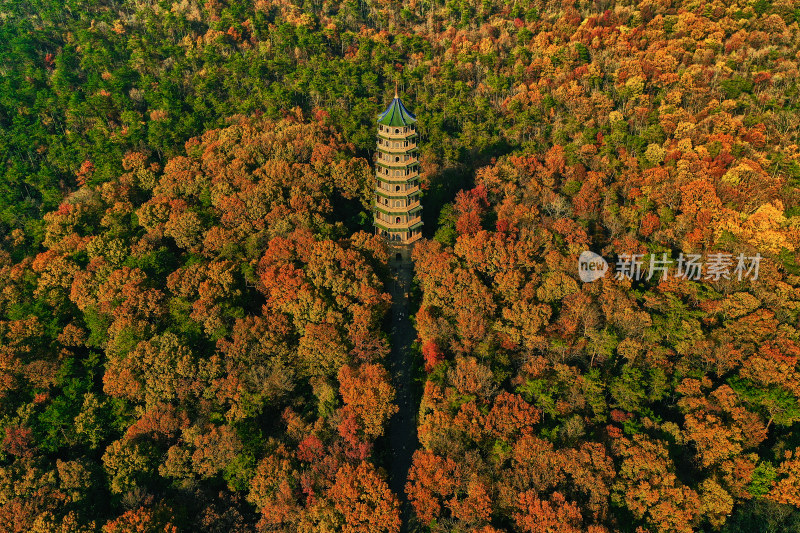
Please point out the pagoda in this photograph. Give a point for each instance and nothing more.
(398, 213)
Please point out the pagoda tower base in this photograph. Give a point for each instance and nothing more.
(400, 252)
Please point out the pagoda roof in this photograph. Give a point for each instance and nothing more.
(396, 114)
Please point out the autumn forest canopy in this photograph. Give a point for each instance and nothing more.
(195, 313)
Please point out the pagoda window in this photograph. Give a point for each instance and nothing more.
(397, 159)
(397, 220)
(396, 188)
(397, 130)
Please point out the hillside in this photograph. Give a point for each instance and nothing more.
(195, 314)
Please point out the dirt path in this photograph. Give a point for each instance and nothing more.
(402, 426)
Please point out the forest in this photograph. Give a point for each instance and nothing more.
(194, 307)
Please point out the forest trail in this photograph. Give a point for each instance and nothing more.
(402, 427)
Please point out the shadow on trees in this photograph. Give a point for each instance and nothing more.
(763, 516)
(445, 184)
(443, 187)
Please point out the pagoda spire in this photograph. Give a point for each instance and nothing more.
(397, 114)
(395, 89)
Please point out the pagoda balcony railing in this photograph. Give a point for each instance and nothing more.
(414, 238)
(389, 148)
(395, 209)
(401, 225)
(397, 179)
(386, 135)
(417, 235)
(392, 192)
(403, 163)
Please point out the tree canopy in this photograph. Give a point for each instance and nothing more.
(193, 307)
